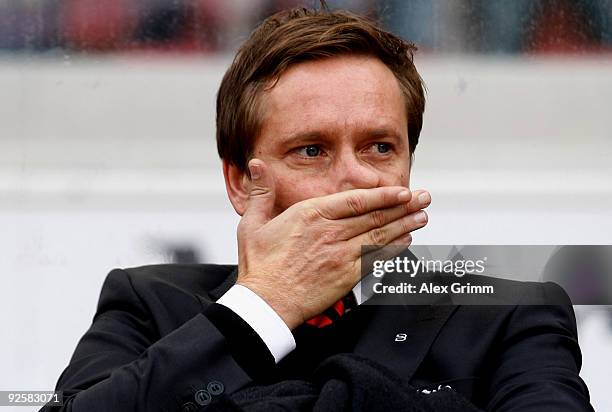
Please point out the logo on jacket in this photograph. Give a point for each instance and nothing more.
(430, 391)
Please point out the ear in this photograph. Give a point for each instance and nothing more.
(237, 185)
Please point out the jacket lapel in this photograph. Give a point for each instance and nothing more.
(399, 337)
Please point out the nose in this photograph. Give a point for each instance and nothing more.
(350, 172)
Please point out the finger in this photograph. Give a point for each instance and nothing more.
(359, 201)
(356, 225)
(390, 250)
(382, 236)
(370, 254)
(260, 203)
(395, 248)
(422, 197)
(402, 241)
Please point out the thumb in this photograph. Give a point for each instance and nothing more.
(260, 204)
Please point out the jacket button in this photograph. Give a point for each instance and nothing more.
(189, 407)
(215, 388)
(202, 397)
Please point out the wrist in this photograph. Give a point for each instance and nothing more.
(284, 307)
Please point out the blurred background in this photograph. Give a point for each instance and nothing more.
(108, 158)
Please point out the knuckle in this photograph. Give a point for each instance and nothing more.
(378, 218)
(308, 204)
(337, 258)
(356, 204)
(377, 236)
(405, 226)
(330, 235)
(407, 208)
(310, 215)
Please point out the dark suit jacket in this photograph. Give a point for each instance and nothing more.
(158, 338)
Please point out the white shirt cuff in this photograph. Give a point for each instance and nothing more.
(262, 318)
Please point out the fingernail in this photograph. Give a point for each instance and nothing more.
(424, 198)
(255, 171)
(404, 196)
(421, 217)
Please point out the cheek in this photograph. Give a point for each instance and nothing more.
(293, 187)
(405, 179)
(404, 173)
(396, 176)
(292, 190)
(395, 180)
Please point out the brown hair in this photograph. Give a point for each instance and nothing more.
(294, 36)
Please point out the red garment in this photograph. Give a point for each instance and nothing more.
(340, 307)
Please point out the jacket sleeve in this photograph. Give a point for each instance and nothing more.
(538, 361)
(122, 364)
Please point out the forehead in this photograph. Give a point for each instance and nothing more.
(341, 91)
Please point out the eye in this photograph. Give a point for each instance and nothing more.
(309, 151)
(382, 147)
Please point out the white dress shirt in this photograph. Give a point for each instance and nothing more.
(264, 320)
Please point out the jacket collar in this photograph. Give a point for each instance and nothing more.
(397, 336)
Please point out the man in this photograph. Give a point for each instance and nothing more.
(317, 121)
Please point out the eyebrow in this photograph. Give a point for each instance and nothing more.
(291, 141)
(302, 137)
(314, 136)
(384, 132)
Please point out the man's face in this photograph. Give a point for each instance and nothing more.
(332, 125)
